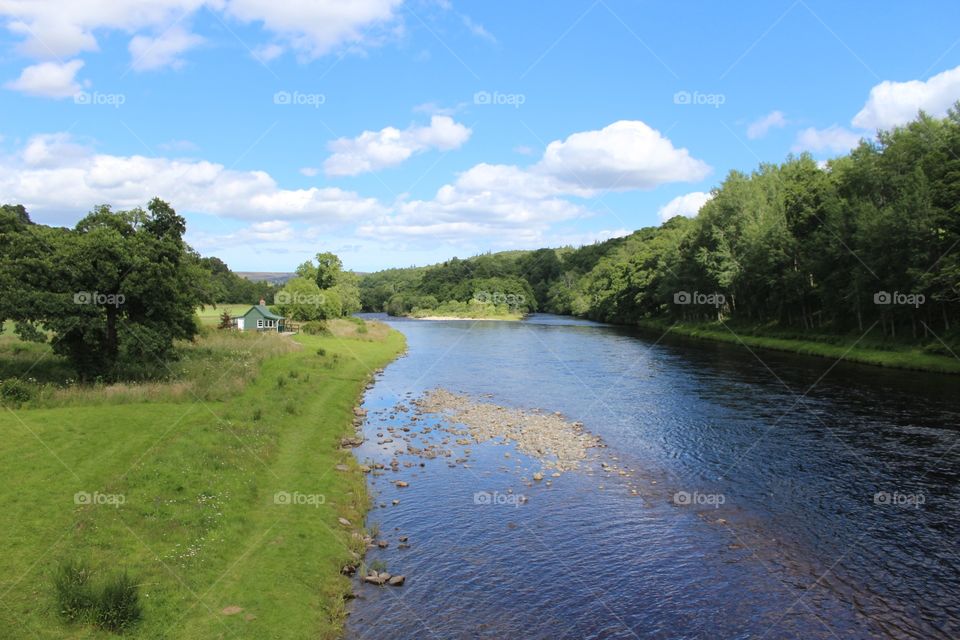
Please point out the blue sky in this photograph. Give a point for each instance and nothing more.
(398, 133)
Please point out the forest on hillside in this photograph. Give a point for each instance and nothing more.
(867, 242)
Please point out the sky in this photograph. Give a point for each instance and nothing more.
(397, 132)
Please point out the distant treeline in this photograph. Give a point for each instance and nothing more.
(868, 240)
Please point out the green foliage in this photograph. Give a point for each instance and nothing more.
(226, 321)
(328, 270)
(118, 604)
(224, 286)
(319, 292)
(73, 591)
(112, 294)
(315, 328)
(14, 392)
(113, 605)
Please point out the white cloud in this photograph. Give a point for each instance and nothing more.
(54, 29)
(375, 150)
(58, 28)
(478, 29)
(623, 156)
(163, 50)
(895, 103)
(310, 172)
(834, 138)
(687, 205)
(760, 127)
(315, 27)
(49, 79)
(53, 175)
(505, 201)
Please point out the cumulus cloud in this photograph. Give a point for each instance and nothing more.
(760, 127)
(315, 27)
(57, 176)
(49, 79)
(495, 200)
(375, 150)
(834, 138)
(895, 103)
(623, 156)
(55, 29)
(687, 205)
(164, 50)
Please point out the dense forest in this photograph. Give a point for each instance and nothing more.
(867, 242)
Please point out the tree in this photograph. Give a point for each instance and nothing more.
(328, 270)
(115, 291)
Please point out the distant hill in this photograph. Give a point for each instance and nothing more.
(274, 277)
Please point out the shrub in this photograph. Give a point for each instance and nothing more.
(14, 392)
(118, 604)
(257, 415)
(315, 328)
(321, 352)
(71, 582)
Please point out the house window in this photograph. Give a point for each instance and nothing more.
(259, 324)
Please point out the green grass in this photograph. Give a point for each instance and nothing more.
(868, 350)
(198, 528)
(210, 315)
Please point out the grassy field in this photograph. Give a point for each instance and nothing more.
(210, 315)
(220, 498)
(868, 350)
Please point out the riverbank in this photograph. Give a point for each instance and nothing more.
(834, 347)
(227, 508)
(511, 318)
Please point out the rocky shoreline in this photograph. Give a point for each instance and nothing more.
(558, 444)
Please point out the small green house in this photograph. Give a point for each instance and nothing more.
(259, 318)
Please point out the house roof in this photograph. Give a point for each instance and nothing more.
(262, 310)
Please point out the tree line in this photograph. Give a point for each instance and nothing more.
(867, 242)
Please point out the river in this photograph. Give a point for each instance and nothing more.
(778, 496)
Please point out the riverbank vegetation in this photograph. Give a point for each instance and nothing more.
(863, 247)
(217, 491)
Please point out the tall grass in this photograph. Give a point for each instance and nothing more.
(215, 366)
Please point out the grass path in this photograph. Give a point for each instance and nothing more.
(199, 527)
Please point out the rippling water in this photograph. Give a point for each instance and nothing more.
(823, 497)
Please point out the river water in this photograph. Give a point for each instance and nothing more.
(777, 496)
